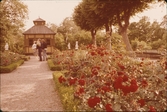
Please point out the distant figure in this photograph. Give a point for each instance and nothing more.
(6, 47)
(69, 46)
(44, 48)
(39, 47)
(34, 48)
(76, 45)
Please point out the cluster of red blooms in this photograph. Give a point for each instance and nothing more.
(97, 50)
(61, 79)
(93, 101)
(125, 88)
(104, 89)
(79, 92)
(108, 108)
(72, 81)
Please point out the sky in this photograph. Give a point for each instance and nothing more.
(55, 11)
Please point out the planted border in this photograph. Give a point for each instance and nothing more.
(25, 58)
(65, 93)
(54, 67)
(11, 67)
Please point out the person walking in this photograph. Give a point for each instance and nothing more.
(34, 48)
(44, 48)
(39, 48)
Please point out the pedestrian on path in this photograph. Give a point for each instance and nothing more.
(34, 48)
(44, 49)
(39, 47)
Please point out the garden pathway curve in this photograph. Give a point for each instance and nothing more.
(29, 88)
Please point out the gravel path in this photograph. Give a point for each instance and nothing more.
(29, 88)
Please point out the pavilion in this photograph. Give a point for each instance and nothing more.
(39, 31)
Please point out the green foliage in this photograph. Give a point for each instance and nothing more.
(13, 13)
(112, 78)
(65, 93)
(8, 57)
(25, 58)
(54, 67)
(11, 67)
(59, 42)
(144, 32)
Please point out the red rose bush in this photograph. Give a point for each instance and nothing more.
(111, 81)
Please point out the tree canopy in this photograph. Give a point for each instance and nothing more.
(13, 13)
(96, 14)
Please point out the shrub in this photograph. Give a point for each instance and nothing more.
(8, 57)
(65, 93)
(54, 67)
(110, 80)
(25, 58)
(11, 67)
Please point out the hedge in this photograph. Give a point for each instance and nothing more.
(25, 58)
(11, 67)
(66, 93)
(54, 67)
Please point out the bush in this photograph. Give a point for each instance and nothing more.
(25, 58)
(7, 58)
(108, 80)
(11, 67)
(54, 67)
(65, 93)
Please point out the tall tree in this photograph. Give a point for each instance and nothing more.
(13, 13)
(126, 9)
(151, 33)
(83, 16)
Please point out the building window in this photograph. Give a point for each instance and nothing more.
(30, 42)
(48, 41)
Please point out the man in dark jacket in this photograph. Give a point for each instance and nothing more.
(39, 48)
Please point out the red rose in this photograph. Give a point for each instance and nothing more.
(118, 83)
(61, 79)
(125, 89)
(81, 90)
(120, 73)
(108, 107)
(121, 66)
(142, 102)
(93, 101)
(133, 87)
(72, 80)
(106, 88)
(81, 82)
(125, 78)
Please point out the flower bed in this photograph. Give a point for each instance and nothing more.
(112, 81)
(65, 93)
(10, 61)
(11, 67)
(8, 58)
(53, 67)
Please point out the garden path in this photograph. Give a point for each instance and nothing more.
(29, 88)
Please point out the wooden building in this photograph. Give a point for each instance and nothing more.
(39, 30)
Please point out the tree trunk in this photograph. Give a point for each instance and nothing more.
(123, 29)
(108, 36)
(126, 40)
(93, 34)
(127, 43)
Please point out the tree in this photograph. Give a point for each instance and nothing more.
(153, 34)
(13, 13)
(83, 18)
(67, 27)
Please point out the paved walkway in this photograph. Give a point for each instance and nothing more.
(29, 88)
